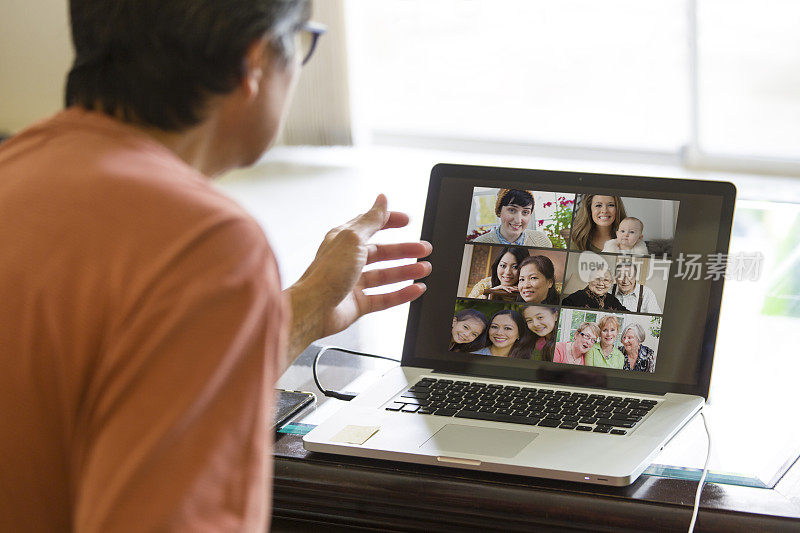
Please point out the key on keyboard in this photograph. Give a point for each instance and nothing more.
(552, 408)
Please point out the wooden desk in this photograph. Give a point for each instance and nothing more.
(314, 488)
(348, 492)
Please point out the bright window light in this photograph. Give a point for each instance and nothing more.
(749, 77)
(573, 72)
(614, 75)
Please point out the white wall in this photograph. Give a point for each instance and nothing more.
(657, 216)
(320, 111)
(35, 55)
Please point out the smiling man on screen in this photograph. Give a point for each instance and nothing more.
(142, 324)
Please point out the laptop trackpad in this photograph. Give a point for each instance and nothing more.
(478, 441)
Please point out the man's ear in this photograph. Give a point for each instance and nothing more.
(254, 61)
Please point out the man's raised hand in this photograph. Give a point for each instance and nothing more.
(330, 294)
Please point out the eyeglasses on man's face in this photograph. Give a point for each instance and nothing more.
(307, 36)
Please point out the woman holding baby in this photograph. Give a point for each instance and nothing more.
(596, 221)
(601, 225)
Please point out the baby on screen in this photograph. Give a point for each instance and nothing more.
(629, 238)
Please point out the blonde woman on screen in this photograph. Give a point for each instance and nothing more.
(596, 221)
(604, 353)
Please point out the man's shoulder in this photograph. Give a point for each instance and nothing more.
(130, 199)
(85, 161)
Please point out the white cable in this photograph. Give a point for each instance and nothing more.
(702, 477)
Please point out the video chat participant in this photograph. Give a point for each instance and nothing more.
(630, 238)
(595, 295)
(537, 281)
(574, 353)
(634, 296)
(468, 331)
(638, 357)
(514, 209)
(541, 322)
(508, 336)
(596, 221)
(502, 284)
(143, 324)
(604, 353)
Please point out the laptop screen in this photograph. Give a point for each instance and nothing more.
(594, 280)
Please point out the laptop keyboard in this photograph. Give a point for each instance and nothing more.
(552, 408)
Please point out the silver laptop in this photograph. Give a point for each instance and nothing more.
(567, 332)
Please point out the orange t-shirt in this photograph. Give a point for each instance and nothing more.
(141, 326)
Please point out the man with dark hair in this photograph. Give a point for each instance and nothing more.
(514, 210)
(143, 325)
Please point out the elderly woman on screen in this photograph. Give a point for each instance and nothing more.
(595, 295)
(637, 356)
(604, 354)
(573, 353)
